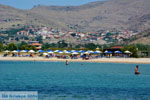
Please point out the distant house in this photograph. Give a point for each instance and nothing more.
(37, 45)
(22, 33)
(117, 47)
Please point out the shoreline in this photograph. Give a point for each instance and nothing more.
(99, 60)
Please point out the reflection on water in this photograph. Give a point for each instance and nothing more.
(77, 81)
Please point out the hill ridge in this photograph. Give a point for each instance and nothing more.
(94, 16)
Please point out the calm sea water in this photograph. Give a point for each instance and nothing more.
(77, 81)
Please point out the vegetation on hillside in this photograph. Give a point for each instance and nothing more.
(143, 38)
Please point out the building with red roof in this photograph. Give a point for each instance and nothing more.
(37, 45)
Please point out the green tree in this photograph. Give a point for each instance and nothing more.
(11, 47)
(90, 46)
(62, 44)
(40, 39)
(132, 48)
(46, 46)
(142, 47)
(22, 45)
(30, 47)
(78, 46)
(1, 47)
(12, 32)
(27, 47)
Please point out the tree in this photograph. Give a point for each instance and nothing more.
(90, 46)
(22, 45)
(142, 47)
(39, 38)
(30, 47)
(1, 47)
(12, 32)
(27, 47)
(11, 47)
(62, 44)
(78, 46)
(46, 46)
(132, 48)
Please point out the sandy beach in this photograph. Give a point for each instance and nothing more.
(99, 60)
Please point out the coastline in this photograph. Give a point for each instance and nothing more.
(99, 60)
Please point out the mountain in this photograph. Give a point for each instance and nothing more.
(114, 14)
(100, 15)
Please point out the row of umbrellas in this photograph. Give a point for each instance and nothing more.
(67, 51)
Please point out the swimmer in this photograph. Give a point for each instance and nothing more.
(67, 63)
(136, 70)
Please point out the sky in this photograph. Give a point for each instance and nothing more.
(28, 4)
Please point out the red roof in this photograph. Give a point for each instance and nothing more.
(23, 31)
(36, 44)
(117, 47)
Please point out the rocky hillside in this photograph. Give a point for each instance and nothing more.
(100, 15)
(113, 14)
(141, 38)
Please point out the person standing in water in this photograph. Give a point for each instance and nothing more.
(136, 70)
(67, 63)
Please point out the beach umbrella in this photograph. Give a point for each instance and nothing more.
(82, 51)
(50, 52)
(86, 52)
(26, 50)
(95, 52)
(56, 50)
(75, 53)
(15, 51)
(108, 52)
(67, 51)
(118, 52)
(6, 51)
(18, 50)
(64, 50)
(41, 51)
(98, 51)
(97, 48)
(72, 50)
(45, 53)
(127, 52)
(60, 51)
(91, 51)
(23, 51)
(31, 51)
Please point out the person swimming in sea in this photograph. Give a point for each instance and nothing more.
(67, 63)
(136, 70)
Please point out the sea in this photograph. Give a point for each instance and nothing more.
(76, 81)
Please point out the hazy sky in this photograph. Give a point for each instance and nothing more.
(27, 4)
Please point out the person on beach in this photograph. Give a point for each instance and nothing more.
(67, 63)
(137, 70)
